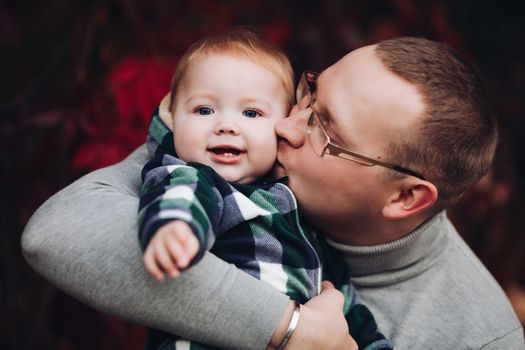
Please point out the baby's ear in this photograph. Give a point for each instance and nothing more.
(164, 111)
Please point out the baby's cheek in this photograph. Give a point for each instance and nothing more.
(268, 156)
(187, 148)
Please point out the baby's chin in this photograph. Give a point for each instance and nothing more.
(275, 173)
(242, 179)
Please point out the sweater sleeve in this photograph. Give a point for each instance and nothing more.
(83, 239)
(173, 190)
(512, 340)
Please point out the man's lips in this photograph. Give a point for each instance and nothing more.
(226, 154)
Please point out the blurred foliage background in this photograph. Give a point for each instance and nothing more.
(80, 79)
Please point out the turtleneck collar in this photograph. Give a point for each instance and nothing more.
(398, 260)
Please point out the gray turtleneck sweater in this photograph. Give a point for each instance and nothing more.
(427, 289)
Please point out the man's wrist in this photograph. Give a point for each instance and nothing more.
(282, 327)
(291, 327)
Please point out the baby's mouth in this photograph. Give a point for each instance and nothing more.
(226, 154)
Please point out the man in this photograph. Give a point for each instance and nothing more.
(380, 145)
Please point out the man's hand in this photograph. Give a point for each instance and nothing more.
(170, 250)
(322, 324)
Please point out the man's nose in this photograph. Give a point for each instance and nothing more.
(293, 128)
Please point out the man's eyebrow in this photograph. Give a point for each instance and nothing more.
(332, 127)
(323, 112)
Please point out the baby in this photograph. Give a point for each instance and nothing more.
(209, 184)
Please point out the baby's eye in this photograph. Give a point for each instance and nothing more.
(204, 111)
(251, 113)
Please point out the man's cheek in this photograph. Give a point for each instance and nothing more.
(278, 171)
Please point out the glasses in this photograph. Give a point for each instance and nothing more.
(319, 139)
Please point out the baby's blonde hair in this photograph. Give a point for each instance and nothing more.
(239, 43)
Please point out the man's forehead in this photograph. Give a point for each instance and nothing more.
(362, 75)
(353, 60)
(360, 87)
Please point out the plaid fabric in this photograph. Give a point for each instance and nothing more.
(257, 227)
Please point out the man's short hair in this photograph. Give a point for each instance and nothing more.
(239, 43)
(454, 144)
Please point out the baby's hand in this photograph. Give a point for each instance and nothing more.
(170, 250)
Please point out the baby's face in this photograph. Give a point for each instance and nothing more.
(225, 111)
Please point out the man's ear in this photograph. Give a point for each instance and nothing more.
(410, 198)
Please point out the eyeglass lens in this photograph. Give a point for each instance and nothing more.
(318, 139)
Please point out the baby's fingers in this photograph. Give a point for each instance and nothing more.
(164, 260)
(151, 265)
(190, 243)
(183, 246)
(176, 252)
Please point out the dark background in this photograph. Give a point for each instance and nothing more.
(80, 78)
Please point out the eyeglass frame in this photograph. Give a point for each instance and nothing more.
(310, 80)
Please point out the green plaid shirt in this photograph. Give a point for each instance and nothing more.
(257, 227)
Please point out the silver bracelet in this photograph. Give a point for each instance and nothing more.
(291, 327)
